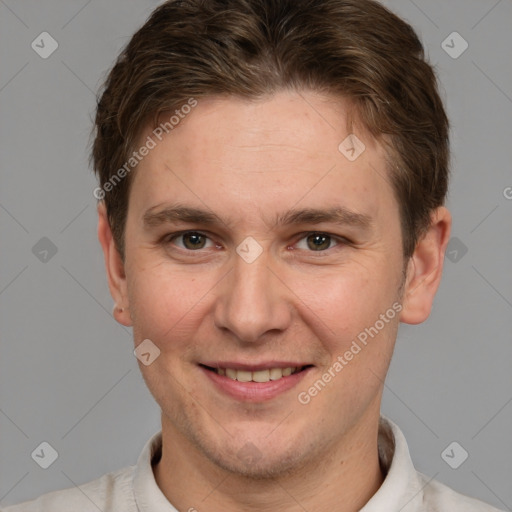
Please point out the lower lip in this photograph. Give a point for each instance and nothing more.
(254, 391)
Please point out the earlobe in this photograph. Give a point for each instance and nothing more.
(114, 267)
(424, 269)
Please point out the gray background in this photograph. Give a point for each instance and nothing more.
(67, 371)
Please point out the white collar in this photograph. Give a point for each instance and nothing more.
(401, 490)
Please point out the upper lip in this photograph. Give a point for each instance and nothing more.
(254, 367)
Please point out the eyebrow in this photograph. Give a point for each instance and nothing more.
(154, 217)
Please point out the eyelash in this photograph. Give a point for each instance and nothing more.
(167, 239)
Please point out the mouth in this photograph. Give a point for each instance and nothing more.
(254, 383)
(261, 375)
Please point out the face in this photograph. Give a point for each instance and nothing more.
(237, 269)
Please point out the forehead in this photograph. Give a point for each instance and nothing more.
(286, 149)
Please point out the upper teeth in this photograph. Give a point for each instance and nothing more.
(258, 376)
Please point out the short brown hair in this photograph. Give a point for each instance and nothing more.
(354, 49)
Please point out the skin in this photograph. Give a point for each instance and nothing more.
(248, 161)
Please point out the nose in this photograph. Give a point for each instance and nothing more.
(253, 301)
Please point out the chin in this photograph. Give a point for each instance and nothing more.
(265, 466)
(258, 457)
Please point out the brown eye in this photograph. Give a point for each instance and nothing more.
(193, 240)
(190, 240)
(318, 241)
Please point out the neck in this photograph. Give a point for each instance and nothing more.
(343, 478)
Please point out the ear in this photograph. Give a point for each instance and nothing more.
(114, 267)
(425, 268)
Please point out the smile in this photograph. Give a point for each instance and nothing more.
(259, 375)
(257, 383)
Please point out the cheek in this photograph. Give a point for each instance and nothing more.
(359, 341)
(164, 303)
(344, 302)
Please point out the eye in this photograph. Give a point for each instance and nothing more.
(312, 242)
(318, 242)
(191, 240)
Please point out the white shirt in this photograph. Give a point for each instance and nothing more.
(134, 489)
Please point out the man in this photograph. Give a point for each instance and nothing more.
(272, 179)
